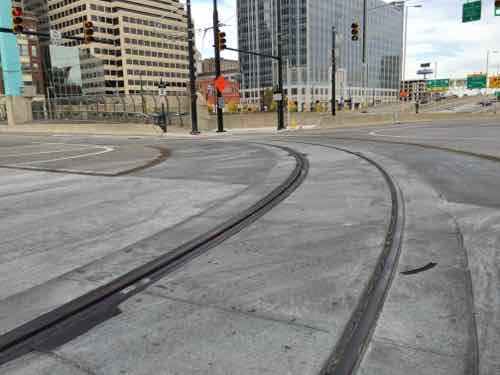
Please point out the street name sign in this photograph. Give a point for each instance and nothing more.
(472, 11)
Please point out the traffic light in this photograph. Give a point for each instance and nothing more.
(221, 40)
(88, 32)
(355, 32)
(17, 20)
(497, 7)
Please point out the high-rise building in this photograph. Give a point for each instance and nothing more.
(140, 43)
(30, 56)
(307, 49)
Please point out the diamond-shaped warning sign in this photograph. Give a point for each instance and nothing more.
(220, 84)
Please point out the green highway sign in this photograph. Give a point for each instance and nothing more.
(477, 81)
(438, 84)
(471, 11)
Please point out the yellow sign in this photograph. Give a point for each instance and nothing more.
(495, 82)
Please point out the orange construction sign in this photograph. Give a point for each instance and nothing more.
(220, 84)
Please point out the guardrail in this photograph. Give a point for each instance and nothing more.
(110, 108)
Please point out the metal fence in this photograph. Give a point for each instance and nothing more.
(108, 109)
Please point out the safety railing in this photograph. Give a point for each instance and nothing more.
(110, 109)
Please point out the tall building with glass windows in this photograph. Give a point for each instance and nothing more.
(307, 48)
(146, 43)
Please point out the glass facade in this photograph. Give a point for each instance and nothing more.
(307, 43)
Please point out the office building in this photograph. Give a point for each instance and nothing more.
(208, 65)
(139, 43)
(307, 49)
(30, 56)
(415, 90)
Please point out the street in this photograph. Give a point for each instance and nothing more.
(372, 247)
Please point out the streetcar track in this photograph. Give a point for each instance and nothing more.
(349, 350)
(474, 350)
(76, 317)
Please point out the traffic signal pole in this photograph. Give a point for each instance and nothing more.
(281, 115)
(334, 73)
(192, 73)
(219, 111)
(365, 67)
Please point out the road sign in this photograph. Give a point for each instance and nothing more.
(476, 81)
(220, 102)
(220, 84)
(425, 65)
(56, 37)
(425, 72)
(277, 97)
(438, 84)
(471, 11)
(495, 82)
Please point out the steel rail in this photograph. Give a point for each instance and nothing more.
(349, 350)
(79, 315)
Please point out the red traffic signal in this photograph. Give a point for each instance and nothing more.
(88, 32)
(17, 20)
(355, 32)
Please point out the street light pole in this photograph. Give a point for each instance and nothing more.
(407, 7)
(488, 66)
(365, 68)
(281, 116)
(220, 119)
(192, 73)
(334, 72)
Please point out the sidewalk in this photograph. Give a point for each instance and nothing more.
(248, 123)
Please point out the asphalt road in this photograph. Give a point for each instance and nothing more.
(276, 297)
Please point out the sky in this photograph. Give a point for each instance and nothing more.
(435, 34)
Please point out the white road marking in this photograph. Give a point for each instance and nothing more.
(378, 133)
(105, 150)
(39, 153)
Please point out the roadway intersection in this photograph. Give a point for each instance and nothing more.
(277, 295)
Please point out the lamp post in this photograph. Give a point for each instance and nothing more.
(488, 66)
(366, 10)
(407, 7)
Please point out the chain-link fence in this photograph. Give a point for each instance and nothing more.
(111, 108)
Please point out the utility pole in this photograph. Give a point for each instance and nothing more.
(365, 67)
(192, 72)
(334, 73)
(219, 111)
(281, 117)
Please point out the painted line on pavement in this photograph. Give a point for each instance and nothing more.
(105, 150)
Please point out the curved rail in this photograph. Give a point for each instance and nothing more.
(77, 316)
(349, 350)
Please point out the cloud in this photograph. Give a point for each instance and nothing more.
(435, 33)
(203, 19)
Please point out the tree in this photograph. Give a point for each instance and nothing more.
(268, 98)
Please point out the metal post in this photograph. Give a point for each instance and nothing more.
(334, 73)
(192, 73)
(220, 118)
(365, 67)
(405, 44)
(281, 117)
(142, 96)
